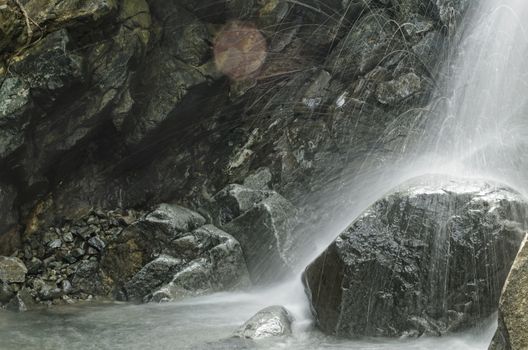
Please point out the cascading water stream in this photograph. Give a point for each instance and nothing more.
(476, 124)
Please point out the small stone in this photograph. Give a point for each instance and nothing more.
(66, 287)
(273, 321)
(49, 292)
(97, 243)
(55, 244)
(77, 253)
(34, 266)
(67, 237)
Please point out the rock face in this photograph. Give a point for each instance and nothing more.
(429, 258)
(273, 321)
(170, 254)
(111, 104)
(263, 222)
(513, 309)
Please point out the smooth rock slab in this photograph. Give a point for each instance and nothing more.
(429, 258)
(273, 321)
(512, 333)
(12, 270)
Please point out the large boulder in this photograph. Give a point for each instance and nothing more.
(428, 258)
(12, 270)
(513, 310)
(170, 254)
(263, 222)
(273, 321)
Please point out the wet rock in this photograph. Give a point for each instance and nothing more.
(49, 292)
(513, 309)
(429, 258)
(50, 66)
(395, 91)
(260, 180)
(88, 278)
(273, 321)
(14, 104)
(156, 273)
(171, 253)
(57, 13)
(12, 270)
(6, 293)
(265, 233)
(364, 48)
(97, 243)
(21, 302)
(233, 201)
(215, 262)
(451, 11)
(34, 266)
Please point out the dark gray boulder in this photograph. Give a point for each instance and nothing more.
(12, 270)
(21, 302)
(213, 262)
(151, 276)
(170, 254)
(266, 233)
(234, 200)
(428, 258)
(513, 309)
(273, 321)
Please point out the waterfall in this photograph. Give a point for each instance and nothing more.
(475, 125)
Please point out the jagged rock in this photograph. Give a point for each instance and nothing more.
(12, 270)
(50, 66)
(513, 309)
(171, 253)
(6, 292)
(260, 180)
(217, 264)
(57, 13)
(430, 257)
(14, 104)
(146, 239)
(21, 302)
(396, 90)
(273, 321)
(49, 292)
(265, 232)
(151, 276)
(233, 201)
(88, 278)
(365, 47)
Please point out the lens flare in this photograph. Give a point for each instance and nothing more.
(240, 50)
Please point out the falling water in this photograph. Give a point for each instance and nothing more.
(475, 127)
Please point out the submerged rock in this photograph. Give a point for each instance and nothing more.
(273, 321)
(429, 258)
(513, 310)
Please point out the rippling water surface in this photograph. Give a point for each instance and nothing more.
(196, 324)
